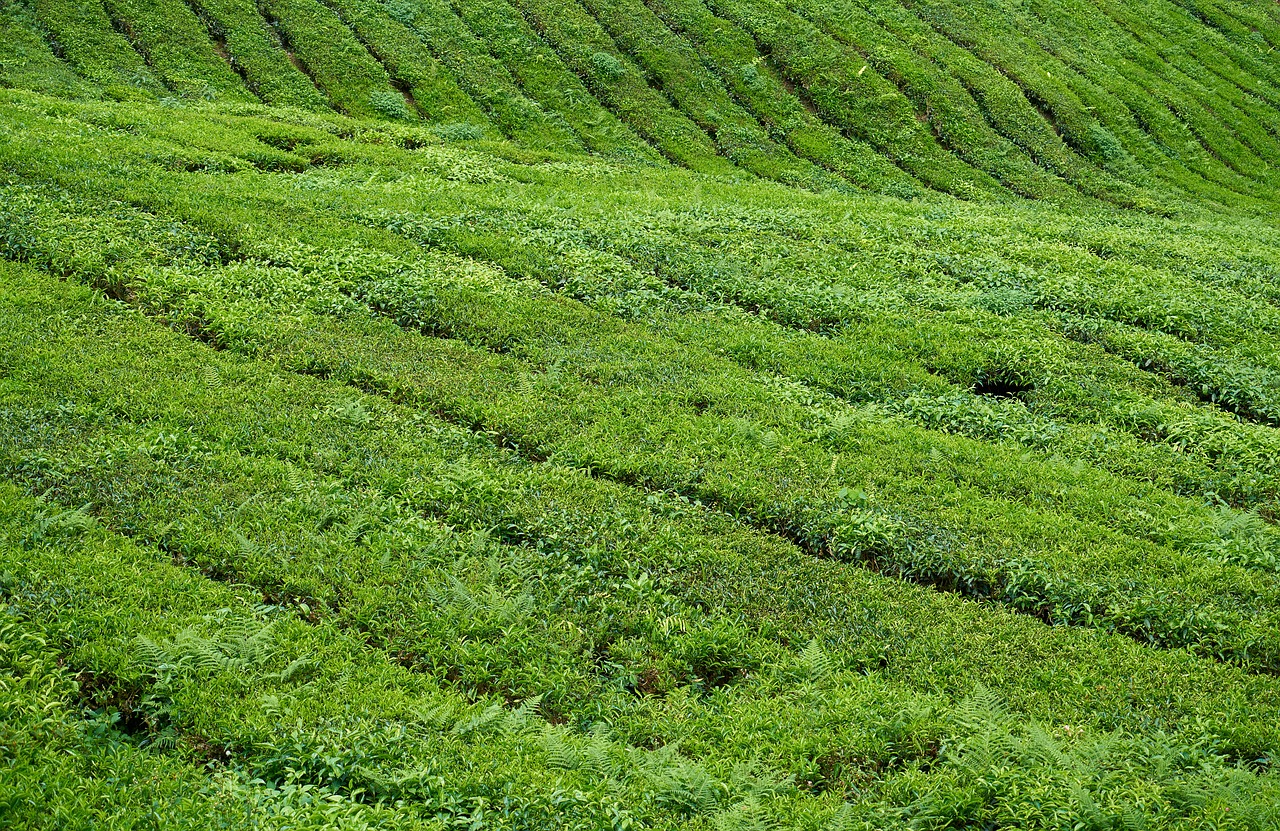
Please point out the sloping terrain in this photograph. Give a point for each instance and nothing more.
(639, 414)
(1069, 103)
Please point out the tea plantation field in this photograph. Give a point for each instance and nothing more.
(639, 414)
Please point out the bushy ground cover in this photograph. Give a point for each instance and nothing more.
(1066, 103)
(411, 486)
(740, 414)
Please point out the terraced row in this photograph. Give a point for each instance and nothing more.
(870, 94)
(312, 694)
(679, 404)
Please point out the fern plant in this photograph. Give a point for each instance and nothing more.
(50, 525)
(815, 663)
(240, 647)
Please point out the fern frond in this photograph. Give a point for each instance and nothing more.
(519, 720)
(842, 819)
(685, 787)
(816, 660)
(294, 479)
(560, 754)
(69, 523)
(248, 549)
(164, 740)
(478, 722)
(357, 529)
(518, 608)
(596, 756)
(462, 598)
(148, 653)
(982, 710)
(747, 815)
(439, 597)
(298, 670)
(245, 645)
(1040, 745)
(438, 716)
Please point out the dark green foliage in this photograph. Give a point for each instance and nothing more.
(327, 51)
(28, 61)
(83, 35)
(617, 82)
(850, 94)
(544, 76)
(254, 51)
(732, 54)
(667, 57)
(411, 66)
(485, 79)
(390, 437)
(1139, 110)
(951, 114)
(176, 45)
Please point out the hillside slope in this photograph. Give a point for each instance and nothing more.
(639, 414)
(1052, 101)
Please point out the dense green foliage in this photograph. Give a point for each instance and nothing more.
(1068, 103)
(542, 414)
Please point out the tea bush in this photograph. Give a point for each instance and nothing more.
(601, 414)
